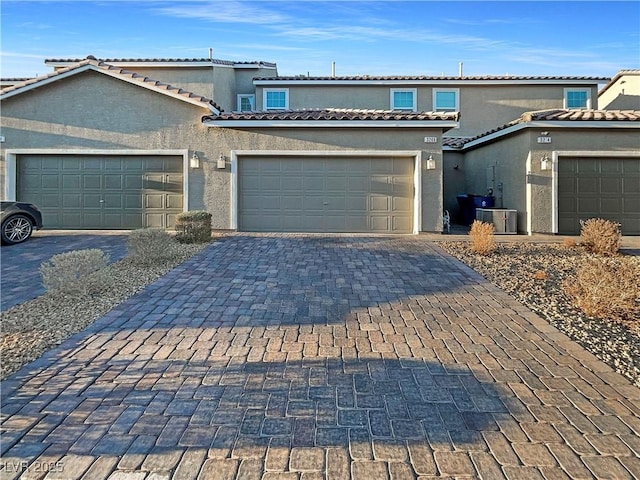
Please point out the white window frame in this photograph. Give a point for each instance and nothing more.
(566, 94)
(413, 91)
(446, 90)
(250, 96)
(270, 90)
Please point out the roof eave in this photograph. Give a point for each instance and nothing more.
(445, 125)
(548, 124)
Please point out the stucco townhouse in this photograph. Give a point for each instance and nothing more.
(129, 143)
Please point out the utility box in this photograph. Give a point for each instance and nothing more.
(504, 221)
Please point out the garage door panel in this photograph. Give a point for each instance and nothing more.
(588, 185)
(336, 184)
(401, 223)
(379, 203)
(270, 183)
(88, 181)
(332, 194)
(314, 184)
(380, 224)
(610, 185)
(358, 184)
(606, 188)
(75, 201)
(102, 191)
(113, 182)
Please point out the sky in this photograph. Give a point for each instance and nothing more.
(593, 38)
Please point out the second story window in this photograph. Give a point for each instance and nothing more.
(446, 100)
(276, 99)
(403, 99)
(246, 103)
(577, 98)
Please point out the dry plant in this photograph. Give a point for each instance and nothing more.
(540, 275)
(482, 237)
(74, 272)
(569, 243)
(606, 287)
(601, 236)
(150, 245)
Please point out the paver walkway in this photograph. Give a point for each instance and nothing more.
(303, 357)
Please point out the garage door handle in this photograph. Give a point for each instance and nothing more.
(101, 201)
(325, 203)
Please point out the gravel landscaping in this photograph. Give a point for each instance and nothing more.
(31, 328)
(535, 273)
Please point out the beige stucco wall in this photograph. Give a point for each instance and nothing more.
(92, 111)
(453, 174)
(482, 107)
(220, 83)
(510, 155)
(624, 94)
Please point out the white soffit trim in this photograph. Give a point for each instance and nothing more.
(331, 123)
(552, 124)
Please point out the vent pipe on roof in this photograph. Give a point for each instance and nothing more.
(333, 69)
(210, 53)
(460, 70)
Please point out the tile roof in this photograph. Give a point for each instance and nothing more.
(205, 61)
(505, 78)
(334, 114)
(132, 77)
(556, 115)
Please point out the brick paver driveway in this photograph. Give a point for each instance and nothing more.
(302, 357)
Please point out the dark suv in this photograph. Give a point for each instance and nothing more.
(18, 221)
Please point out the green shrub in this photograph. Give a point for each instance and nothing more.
(601, 236)
(193, 227)
(482, 237)
(74, 272)
(150, 245)
(607, 287)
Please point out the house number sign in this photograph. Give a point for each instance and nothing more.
(430, 139)
(544, 139)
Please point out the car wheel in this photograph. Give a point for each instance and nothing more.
(16, 229)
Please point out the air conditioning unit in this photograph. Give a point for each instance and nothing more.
(504, 221)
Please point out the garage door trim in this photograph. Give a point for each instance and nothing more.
(415, 154)
(558, 155)
(12, 154)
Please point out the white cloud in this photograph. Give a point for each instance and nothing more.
(225, 12)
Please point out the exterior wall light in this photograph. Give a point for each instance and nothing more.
(431, 163)
(194, 161)
(222, 161)
(545, 162)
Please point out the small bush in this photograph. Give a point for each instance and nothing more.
(72, 272)
(606, 287)
(540, 275)
(482, 237)
(150, 245)
(601, 236)
(569, 243)
(193, 227)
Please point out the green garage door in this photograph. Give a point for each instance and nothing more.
(102, 191)
(598, 188)
(325, 194)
